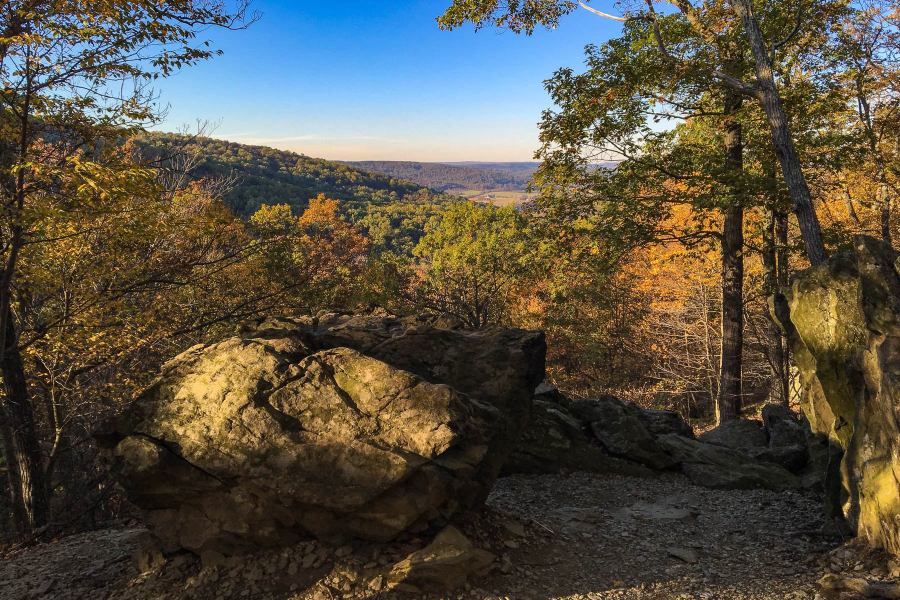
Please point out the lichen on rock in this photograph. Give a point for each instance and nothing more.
(843, 321)
(340, 427)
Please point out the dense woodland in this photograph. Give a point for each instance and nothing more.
(121, 247)
(389, 209)
(448, 177)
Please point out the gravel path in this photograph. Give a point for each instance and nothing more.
(573, 536)
(613, 537)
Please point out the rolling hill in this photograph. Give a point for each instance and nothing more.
(485, 177)
(394, 212)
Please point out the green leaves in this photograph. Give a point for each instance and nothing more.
(520, 16)
(474, 262)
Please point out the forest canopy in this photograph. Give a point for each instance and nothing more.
(120, 247)
(447, 178)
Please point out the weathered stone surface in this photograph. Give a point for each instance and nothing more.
(288, 431)
(737, 434)
(620, 432)
(784, 427)
(443, 565)
(555, 440)
(686, 554)
(548, 393)
(719, 467)
(499, 366)
(661, 422)
(843, 320)
(149, 553)
(792, 458)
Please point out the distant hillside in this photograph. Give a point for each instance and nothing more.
(518, 167)
(462, 176)
(394, 212)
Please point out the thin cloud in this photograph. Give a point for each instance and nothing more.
(314, 138)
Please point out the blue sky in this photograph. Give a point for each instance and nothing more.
(360, 80)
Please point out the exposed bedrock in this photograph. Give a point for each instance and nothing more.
(337, 427)
(843, 320)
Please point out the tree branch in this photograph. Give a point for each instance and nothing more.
(602, 14)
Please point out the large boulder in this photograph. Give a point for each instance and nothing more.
(720, 467)
(620, 432)
(843, 321)
(360, 427)
(792, 458)
(547, 393)
(789, 439)
(498, 366)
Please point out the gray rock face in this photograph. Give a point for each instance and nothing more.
(353, 427)
(607, 435)
(784, 428)
(843, 321)
(792, 458)
(661, 422)
(719, 467)
(548, 393)
(737, 434)
(555, 440)
(620, 432)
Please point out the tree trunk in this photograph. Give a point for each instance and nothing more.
(26, 450)
(19, 513)
(783, 271)
(728, 403)
(778, 392)
(885, 202)
(801, 200)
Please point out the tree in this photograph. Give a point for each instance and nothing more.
(867, 60)
(714, 24)
(74, 74)
(318, 248)
(689, 64)
(473, 264)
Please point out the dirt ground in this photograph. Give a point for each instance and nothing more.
(578, 536)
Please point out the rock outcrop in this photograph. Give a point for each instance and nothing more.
(620, 432)
(337, 427)
(719, 467)
(843, 320)
(554, 439)
(661, 422)
(782, 439)
(610, 436)
(737, 434)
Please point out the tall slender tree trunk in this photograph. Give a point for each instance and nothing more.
(25, 450)
(885, 202)
(883, 195)
(783, 271)
(778, 390)
(801, 199)
(728, 403)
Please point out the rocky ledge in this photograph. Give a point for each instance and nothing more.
(607, 435)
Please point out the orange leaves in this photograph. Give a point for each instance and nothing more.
(318, 251)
